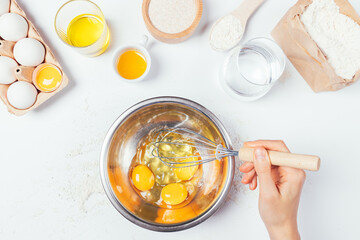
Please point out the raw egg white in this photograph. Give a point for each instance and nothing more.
(7, 66)
(4, 6)
(21, 95)
(13, 27)
(29, 52)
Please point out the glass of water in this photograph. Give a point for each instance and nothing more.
(250, 71)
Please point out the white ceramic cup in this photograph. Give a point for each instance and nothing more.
(140, 47)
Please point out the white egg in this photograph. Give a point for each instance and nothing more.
(4, 6)
(29, 52)
(13, 27)
(7, 66)
(21, 95)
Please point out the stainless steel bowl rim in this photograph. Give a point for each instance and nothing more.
(104, 162)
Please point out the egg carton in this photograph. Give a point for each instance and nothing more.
(23, 73)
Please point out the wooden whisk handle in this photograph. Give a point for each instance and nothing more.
(300, 161)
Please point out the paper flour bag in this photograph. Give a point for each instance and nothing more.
(303, 51)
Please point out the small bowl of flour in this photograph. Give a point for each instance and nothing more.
(172, 21)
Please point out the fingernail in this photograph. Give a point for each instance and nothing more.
(260, 154)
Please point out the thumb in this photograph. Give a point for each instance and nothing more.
(263, 170)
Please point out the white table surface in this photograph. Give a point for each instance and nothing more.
(49, 176)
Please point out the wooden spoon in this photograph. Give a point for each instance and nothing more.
(242, 13)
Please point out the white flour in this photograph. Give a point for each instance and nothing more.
(172, 16)
(337, 35)
(226, 33)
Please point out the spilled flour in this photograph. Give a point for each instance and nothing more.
(82, 182)
(84, 187)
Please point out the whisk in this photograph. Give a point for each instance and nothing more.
(207, 151)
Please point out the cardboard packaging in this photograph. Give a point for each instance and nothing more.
(304, 53)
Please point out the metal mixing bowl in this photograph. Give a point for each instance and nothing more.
(120, 147)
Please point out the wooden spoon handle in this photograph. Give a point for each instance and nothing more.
(246, 9)
(300, 161)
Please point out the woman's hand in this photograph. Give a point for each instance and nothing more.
(279, 190)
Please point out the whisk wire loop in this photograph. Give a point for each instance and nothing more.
(190, 139)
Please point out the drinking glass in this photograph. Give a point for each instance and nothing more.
(83, 19)
(250, 71)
